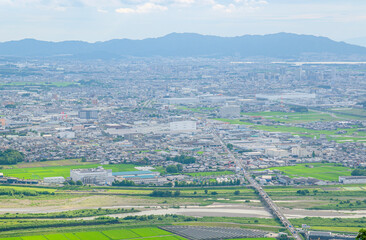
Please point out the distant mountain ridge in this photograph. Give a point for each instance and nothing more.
(279, 45)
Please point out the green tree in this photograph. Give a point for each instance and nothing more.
(361, 234)
(237, 192)
(79, 183)
(180, 167)
(10, 156)
(359, 172)
(229, 146)
(171, 169)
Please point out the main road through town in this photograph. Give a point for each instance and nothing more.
(276, 211)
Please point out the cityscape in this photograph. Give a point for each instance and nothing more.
(182, 120)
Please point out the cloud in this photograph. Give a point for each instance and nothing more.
(125, 10)
(143, 8)
(238, 5)
(102, 10)
(225, 8)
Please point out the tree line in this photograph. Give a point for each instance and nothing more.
(182, 159)
(13, 192)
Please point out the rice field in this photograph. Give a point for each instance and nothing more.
(322, 171)
(119, 234)
(59, 171)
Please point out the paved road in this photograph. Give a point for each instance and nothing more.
(276, 211)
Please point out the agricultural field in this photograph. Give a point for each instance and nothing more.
(358, 112)
(93, 197)
(42, 84)
(293, 117)
(349, 135)
(120, 234)
(65, 162)
(55, 171)
(319, 197)
(233, 121)
(322, 171)
(347, 225)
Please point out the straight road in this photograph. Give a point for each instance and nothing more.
(276, 211)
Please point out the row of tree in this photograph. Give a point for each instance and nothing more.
(167, 193)
(13, 192)
(207, 183)
(123, 183)
(174, 168)
(182, 159)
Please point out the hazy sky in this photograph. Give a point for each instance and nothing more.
(99, 20)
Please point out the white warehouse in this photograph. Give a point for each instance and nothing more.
(183, 126)
(54, 180)
(97, 176)
(352, 179)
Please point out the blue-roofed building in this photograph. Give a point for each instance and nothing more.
(141, 177)
(136, 174)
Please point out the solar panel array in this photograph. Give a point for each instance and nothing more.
(210, 233)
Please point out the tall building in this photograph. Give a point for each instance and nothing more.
(88, 114)
(97, 176)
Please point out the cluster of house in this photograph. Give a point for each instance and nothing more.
(273, 177)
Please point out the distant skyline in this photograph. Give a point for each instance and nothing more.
(96, 20)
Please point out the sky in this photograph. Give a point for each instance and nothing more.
(101, 20)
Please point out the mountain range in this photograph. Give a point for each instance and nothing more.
(279, 46)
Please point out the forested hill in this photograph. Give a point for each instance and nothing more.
(280, 46)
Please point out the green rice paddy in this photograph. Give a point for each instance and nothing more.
(56, 171)
(322, 171)
(349, 135)
(120, 234)
(293, 117)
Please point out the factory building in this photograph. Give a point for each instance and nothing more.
(53, 180)
(273, 152)
(183, 126)
(141, 177)
(352, 179)
(97, 176)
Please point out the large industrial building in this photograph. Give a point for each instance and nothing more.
(352, 179)
(273, 152)
(141, 177)
(97, 176)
